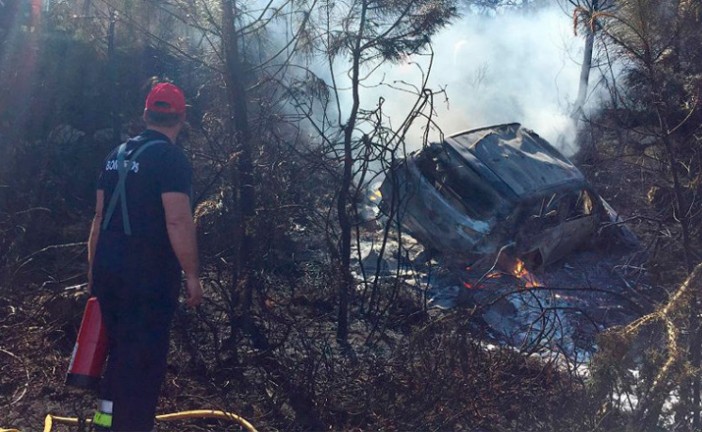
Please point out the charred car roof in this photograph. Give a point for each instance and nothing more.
(516, 161)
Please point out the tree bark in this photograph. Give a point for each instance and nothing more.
(112, 66)
(586, 66)
(242, 283)
(346, 281)
(695, 352)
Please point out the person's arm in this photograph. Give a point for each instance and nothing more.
(94, 235)
(182, 235)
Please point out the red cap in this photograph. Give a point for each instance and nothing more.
(166, 98)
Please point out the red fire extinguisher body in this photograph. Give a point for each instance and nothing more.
(90, 350)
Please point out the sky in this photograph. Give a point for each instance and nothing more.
(507, 68)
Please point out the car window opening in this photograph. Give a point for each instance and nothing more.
(459, 184)
(561, 206)
(544, 213)
(580, 205)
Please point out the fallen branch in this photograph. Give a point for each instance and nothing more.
(26, 260)
(663, 381)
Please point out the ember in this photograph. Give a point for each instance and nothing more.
(493, 275)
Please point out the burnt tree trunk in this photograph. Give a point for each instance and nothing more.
(345, 222)
(587, 64)
(243, 274)
(112, 67)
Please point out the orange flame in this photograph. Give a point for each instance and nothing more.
(466, 283)
(513, 266)
(520, 271)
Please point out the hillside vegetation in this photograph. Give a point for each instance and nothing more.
(283, 162)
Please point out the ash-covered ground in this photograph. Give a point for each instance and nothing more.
(559, 309)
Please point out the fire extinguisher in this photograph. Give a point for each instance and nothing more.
(90, 350)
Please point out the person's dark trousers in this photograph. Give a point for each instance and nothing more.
(137, 304)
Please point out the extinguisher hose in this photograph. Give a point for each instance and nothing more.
(183, 415)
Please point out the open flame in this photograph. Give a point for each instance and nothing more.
(511, 266)
(520, 272)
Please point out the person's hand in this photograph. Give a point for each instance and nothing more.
(192, 284)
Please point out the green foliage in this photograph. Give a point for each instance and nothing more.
(384, 30)
(658, 44)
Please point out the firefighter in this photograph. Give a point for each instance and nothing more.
(142, 240)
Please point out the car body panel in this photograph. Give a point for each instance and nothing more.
(426, 213)
(521, 159)
(480, 191)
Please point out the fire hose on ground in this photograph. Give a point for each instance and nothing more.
(50, 419)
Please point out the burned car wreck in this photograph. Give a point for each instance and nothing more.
(500, 188)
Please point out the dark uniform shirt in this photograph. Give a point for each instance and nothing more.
(136, 278)
(163, 167)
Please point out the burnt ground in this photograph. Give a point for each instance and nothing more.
(562, 308)
(559, 309)
(418, 371)
(443, 357)
(425, 366)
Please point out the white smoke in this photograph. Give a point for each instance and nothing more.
(510, 67)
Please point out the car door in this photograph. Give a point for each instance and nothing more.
(554, 225)
(580, 224)
(537, 234)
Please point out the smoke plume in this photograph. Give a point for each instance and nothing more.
(509, 67)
